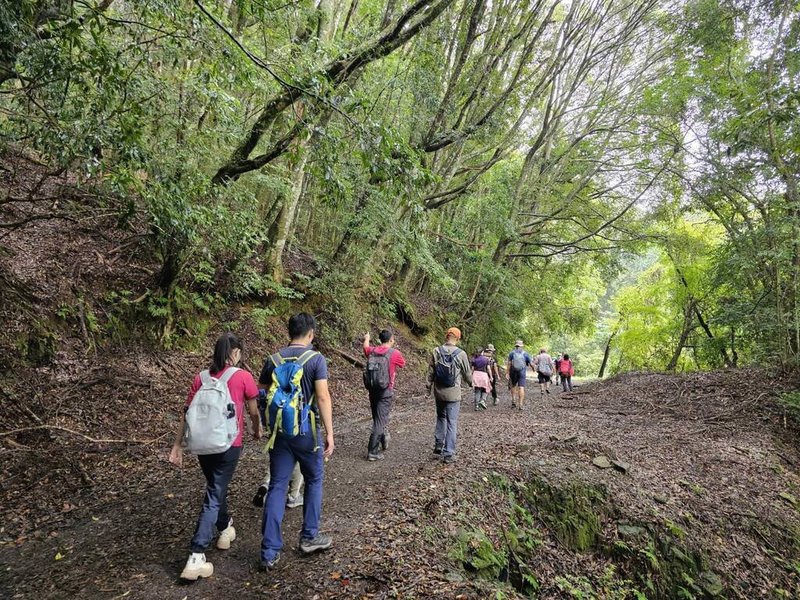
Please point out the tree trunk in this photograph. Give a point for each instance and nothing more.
(606, 355)
(687, 329)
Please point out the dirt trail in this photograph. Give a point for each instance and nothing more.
(716, 467)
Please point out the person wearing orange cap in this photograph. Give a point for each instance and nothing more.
(449, 366)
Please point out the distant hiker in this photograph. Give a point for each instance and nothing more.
(543, 363)
(494, 370)
(566, 370)
(211, 426)
(294, 413)
(379, 379)
(449, 366)
(517, 368)
(557, 372)
(481, 379)
(295, 498)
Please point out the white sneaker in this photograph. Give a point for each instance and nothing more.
(196, 567)
(294, 501)
(226, 536)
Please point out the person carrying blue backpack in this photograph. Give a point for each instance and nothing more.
(298, 407)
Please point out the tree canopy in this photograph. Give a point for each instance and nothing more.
(616, 178)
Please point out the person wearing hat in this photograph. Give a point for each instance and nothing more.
(494, 370)
(517, 368)
(448, 367)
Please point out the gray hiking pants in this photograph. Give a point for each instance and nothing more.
(381, 403)
(446, 426)
(566, 383)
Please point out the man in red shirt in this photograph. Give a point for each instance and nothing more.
(380, 398)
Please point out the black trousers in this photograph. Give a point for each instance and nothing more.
(381, 404)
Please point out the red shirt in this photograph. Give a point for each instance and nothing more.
(396, 361)
(241, 386)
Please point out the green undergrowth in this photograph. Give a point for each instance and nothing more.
(639, 560)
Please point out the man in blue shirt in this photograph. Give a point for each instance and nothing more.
(517, 369)
(302, 449)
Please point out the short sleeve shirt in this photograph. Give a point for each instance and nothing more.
(241, 386)
(481, 363)
(316, 369)
(396, 361)
(528, 360)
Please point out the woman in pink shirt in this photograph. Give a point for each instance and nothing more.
(218, 468)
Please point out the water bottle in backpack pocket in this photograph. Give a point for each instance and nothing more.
(288, 412)
(211, 424)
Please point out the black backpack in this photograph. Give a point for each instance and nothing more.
(376, 371)
(446, 370)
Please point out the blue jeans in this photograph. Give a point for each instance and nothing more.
(282, 457)
(446, 426)
(218, 469)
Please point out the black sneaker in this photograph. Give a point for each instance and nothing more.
(258, 499)
(268, 565)
(374, 457)
(437, 450)
(387, 437)
(319, 543)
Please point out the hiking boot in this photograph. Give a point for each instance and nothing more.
(548, 390)
(197, 567)
(294, 501)
(374, 457)
(437, 449)
(387, 437)
(226, 536)
(268, 565)
(319, 543)
(449, 460)
(258, 499)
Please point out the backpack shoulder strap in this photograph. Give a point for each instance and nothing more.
(205, 377)
(277, 359)
(306, 356)
(230, 372)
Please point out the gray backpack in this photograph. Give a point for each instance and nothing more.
(544, 366)
(518, 362)
(211, 423)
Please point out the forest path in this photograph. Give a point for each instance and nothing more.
(390, 520)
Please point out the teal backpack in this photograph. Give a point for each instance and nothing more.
(288, 411)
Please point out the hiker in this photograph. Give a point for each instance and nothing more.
(294, 414)
(211, 425)
(494, 370)
(566, 370)
(481, 379)
(449, 366)
(543, 363)
(380, 373)
(557, 371)
(517, 368)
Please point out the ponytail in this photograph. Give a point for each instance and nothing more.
(222, 351)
